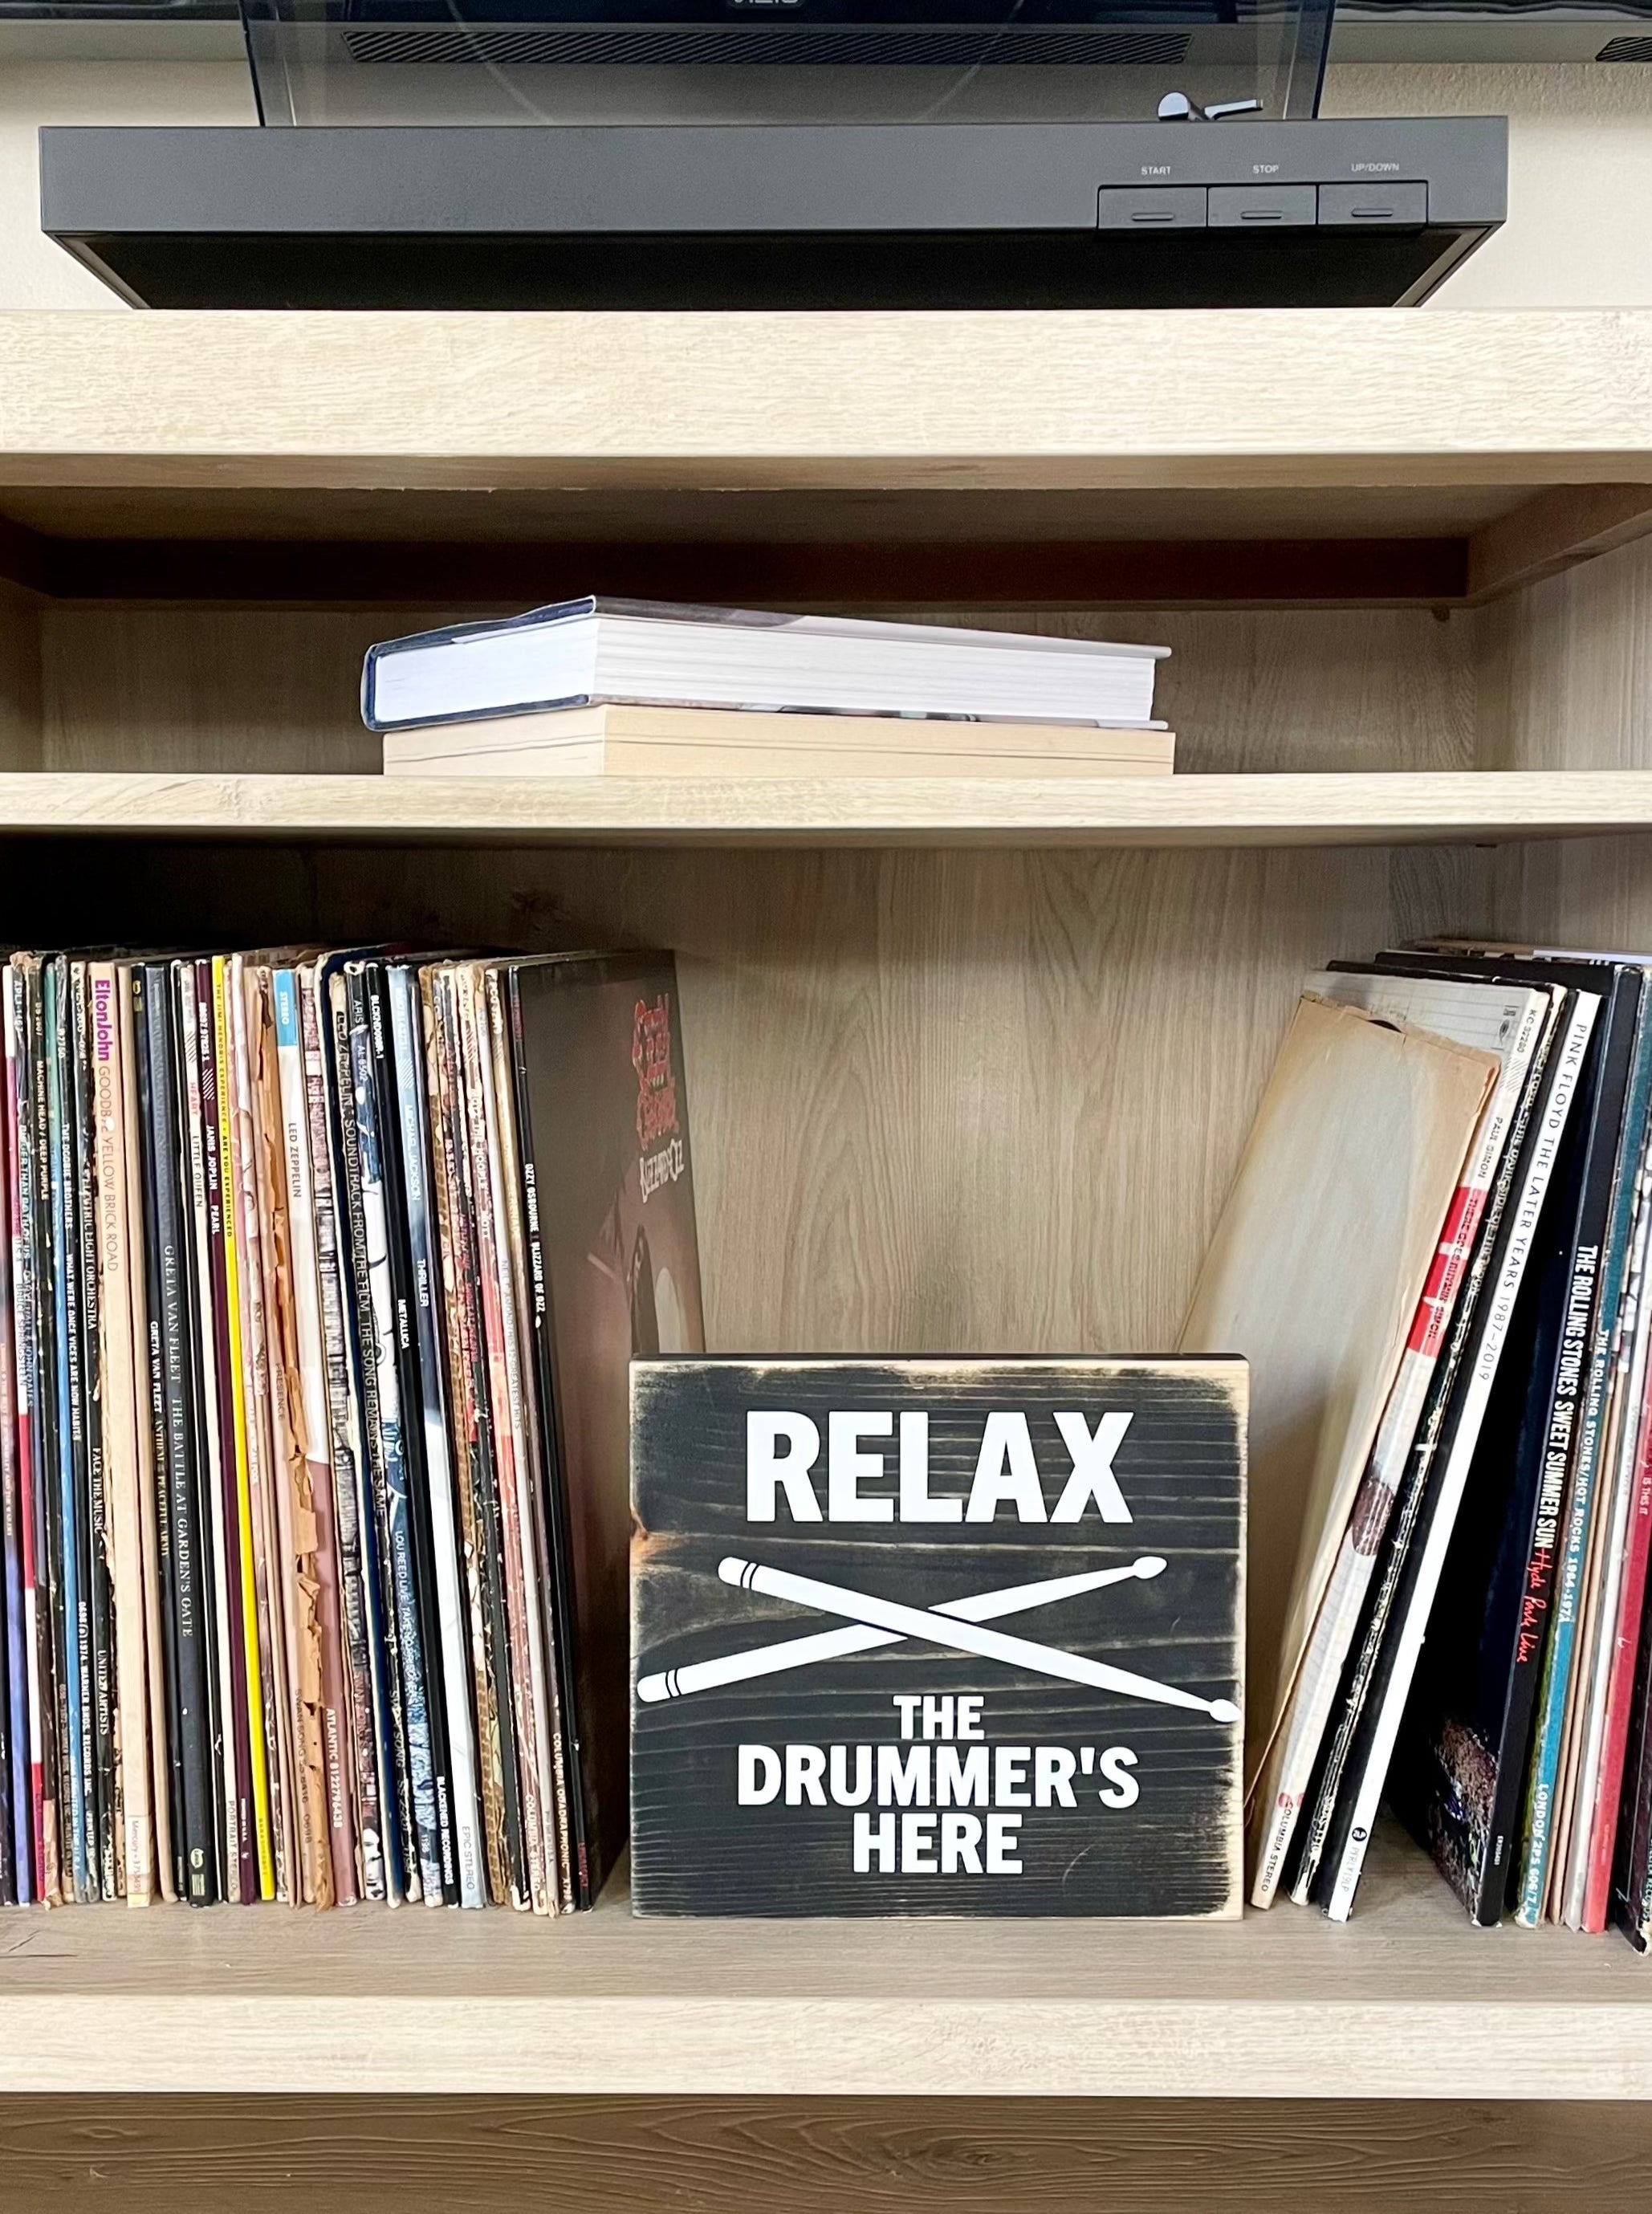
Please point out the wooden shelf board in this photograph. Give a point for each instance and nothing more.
(78, 521)
(730, 400)
(1408, 2001)
(1449, 457)
(1283, 810)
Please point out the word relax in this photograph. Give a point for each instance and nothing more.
(783, 1451)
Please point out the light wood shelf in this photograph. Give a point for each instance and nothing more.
(1242, 398)
(1472, 806)
(1064, 459)
(1406, 2001)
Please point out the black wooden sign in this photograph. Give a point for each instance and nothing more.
(936, 1636)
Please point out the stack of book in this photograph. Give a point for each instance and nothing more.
(622, 688)
(1434, 1254)
(324, 1274)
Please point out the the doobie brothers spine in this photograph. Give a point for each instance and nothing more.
(936, 1636)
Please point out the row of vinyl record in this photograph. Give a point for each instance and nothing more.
(325, 1274)
(1435, 1257)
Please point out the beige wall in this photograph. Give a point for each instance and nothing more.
(34, 272)
(1579, 233)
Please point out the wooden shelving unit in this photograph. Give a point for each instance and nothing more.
(971, 1064)
(1283, 810)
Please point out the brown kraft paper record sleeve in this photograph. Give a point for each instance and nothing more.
(1313, 1274)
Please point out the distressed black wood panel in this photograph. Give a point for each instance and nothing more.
(1152, 1827)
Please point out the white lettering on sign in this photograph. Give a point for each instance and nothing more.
(905, 1780)
(783, 1448)
(1005, 1472)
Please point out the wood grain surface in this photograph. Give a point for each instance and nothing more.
(1552, 531)
(1407, 2002)
(874, 1039)
(822, 813)
(264, 689)
(752, 400)
(750, 2156)
(19, 684)
(1565, 682)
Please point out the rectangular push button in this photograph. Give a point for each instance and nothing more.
(1151, 207)
(1264, 206)
(1375, 203)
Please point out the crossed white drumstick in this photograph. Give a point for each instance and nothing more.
(954, 1624)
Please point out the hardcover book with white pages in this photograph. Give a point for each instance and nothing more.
(582, 652)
